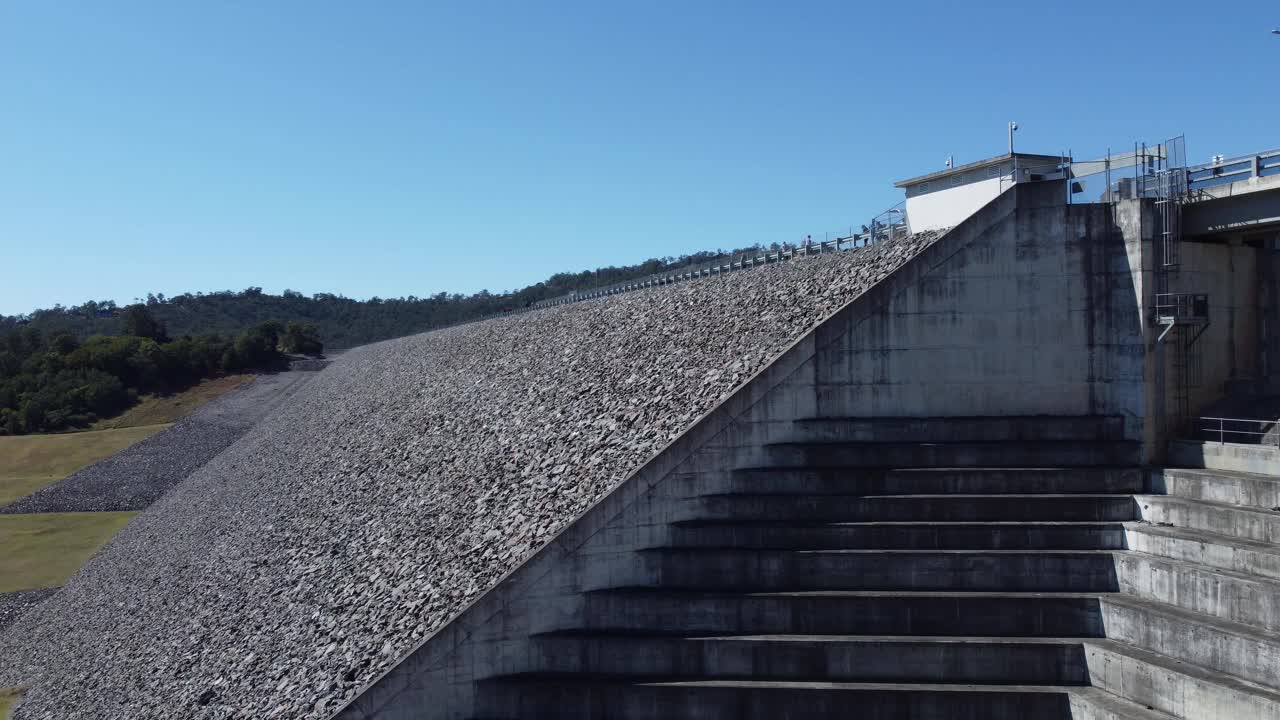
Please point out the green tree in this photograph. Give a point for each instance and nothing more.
(302, 339)
(139, 321)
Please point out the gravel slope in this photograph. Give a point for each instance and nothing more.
(15, 603)
(393, 489)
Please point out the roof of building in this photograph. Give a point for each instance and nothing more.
(1038, 159)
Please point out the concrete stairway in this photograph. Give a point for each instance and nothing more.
(1196, 630)
(930, 569)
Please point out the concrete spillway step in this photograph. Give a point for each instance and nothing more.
(1044, 453)
(1094, 704)
(941, 508)
(1218, 518)
(1219, 486)
(992, 570)
(552, 696)
(1231, 648)
(1224, 594)
(649, 611)
(1177, 687)
(938, 481)
(844, 658)
(1241, 555)
(968, 429)
(781, 535)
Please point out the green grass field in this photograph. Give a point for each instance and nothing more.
(7, 699)
(29, 462)
(42, 550)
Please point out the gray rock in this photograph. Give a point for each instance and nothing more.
(15, 603)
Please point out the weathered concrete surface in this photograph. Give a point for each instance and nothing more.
(1231, 349)
(1031, 312)
(871, 620)
(1269, 308)
(1238, 457)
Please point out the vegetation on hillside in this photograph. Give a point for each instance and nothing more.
(53, 381)
(341, 321)
(166, 409)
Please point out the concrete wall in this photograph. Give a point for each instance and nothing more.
(1233, 346)
(1269, 314)
(1245, 212)
(1026, 308)
(1234, 457)
(1228, 349)
(1035, 312)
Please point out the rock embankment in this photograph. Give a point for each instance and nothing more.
(13, 604)
(397, 486)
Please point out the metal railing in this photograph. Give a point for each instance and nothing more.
(1250, 431)
(1229, 170)
(1182, 308)
(888, 225)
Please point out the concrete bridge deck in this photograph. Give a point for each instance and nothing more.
(1247, 205)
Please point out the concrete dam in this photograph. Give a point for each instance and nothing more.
(966, 471)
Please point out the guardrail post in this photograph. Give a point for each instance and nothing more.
(1222, 433)
(1255, 166)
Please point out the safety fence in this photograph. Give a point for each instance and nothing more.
(1252, 431)
(1228, 170)
(888, 225)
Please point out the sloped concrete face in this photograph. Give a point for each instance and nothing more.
(1028, 308)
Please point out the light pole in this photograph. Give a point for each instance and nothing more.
(1012, 127)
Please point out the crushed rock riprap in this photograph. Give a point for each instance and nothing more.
(393, 489)
(13, 604)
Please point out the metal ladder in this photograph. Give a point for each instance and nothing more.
(1183, 316)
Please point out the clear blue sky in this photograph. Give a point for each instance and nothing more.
(396, 148)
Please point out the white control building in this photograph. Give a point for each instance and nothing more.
(945, 198)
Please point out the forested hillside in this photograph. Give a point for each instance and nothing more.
(340, 321)
(51, 381)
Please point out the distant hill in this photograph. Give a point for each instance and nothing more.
(342, 322)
